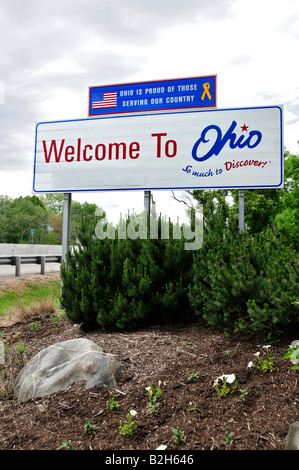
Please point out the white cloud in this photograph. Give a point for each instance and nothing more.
(63, 104)
(58, 66)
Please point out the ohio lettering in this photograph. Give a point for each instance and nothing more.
(212, 135)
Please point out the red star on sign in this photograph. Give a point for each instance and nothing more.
(244, 128)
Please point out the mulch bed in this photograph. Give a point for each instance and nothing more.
(170, 354)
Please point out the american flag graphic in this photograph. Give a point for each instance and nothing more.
(109, 101)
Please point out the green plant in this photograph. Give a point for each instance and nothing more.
(244, 283)
(178, 436)
(264, 363)
(229, 439)
(112, 403)
(193, 377)
(129, 428)
(120, 283)
(34, 326)
(66, 445)
(221, 385)
(293, 354)
(244, 394)
(21, 348)
(89, 428)
(153, 395)
(194, 409)
(57, 318)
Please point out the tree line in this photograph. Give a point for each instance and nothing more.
(42, 214)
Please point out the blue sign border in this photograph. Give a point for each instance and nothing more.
(171, 188)
(162, 95)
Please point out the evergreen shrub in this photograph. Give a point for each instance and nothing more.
(122, 283)
(245, 283)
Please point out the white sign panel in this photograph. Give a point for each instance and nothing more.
(223, 148)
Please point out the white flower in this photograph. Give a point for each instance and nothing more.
(268, 346)
(148, 388)
(250, 364)
(230, 378)
(133, 413)
(257, 354)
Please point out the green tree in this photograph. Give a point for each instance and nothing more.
(54, 229)
(80, 212)
(261, 208)
(5, 204)
(287, 220)
(22, 215)
(277, 208)
(53, 202)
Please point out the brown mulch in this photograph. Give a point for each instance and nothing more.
(170, 354)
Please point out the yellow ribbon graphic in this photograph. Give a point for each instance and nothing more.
(206, 87)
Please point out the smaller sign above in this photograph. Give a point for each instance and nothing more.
(182, 93)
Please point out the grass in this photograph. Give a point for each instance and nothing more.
(29, 298)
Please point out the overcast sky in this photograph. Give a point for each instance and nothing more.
(53, 50)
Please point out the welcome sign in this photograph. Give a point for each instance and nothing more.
(211, 149)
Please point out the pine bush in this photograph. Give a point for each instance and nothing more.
(245, 283)
(122, 283)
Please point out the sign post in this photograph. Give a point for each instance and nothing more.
(66, 224)
(241, 210)
(147, 202)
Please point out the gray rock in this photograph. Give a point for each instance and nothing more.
(292, 440)
(62, 364)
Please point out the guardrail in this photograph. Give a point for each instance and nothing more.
(17, 261)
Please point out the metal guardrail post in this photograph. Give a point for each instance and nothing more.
(42, 261)
(42, 265)
(18, 265)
